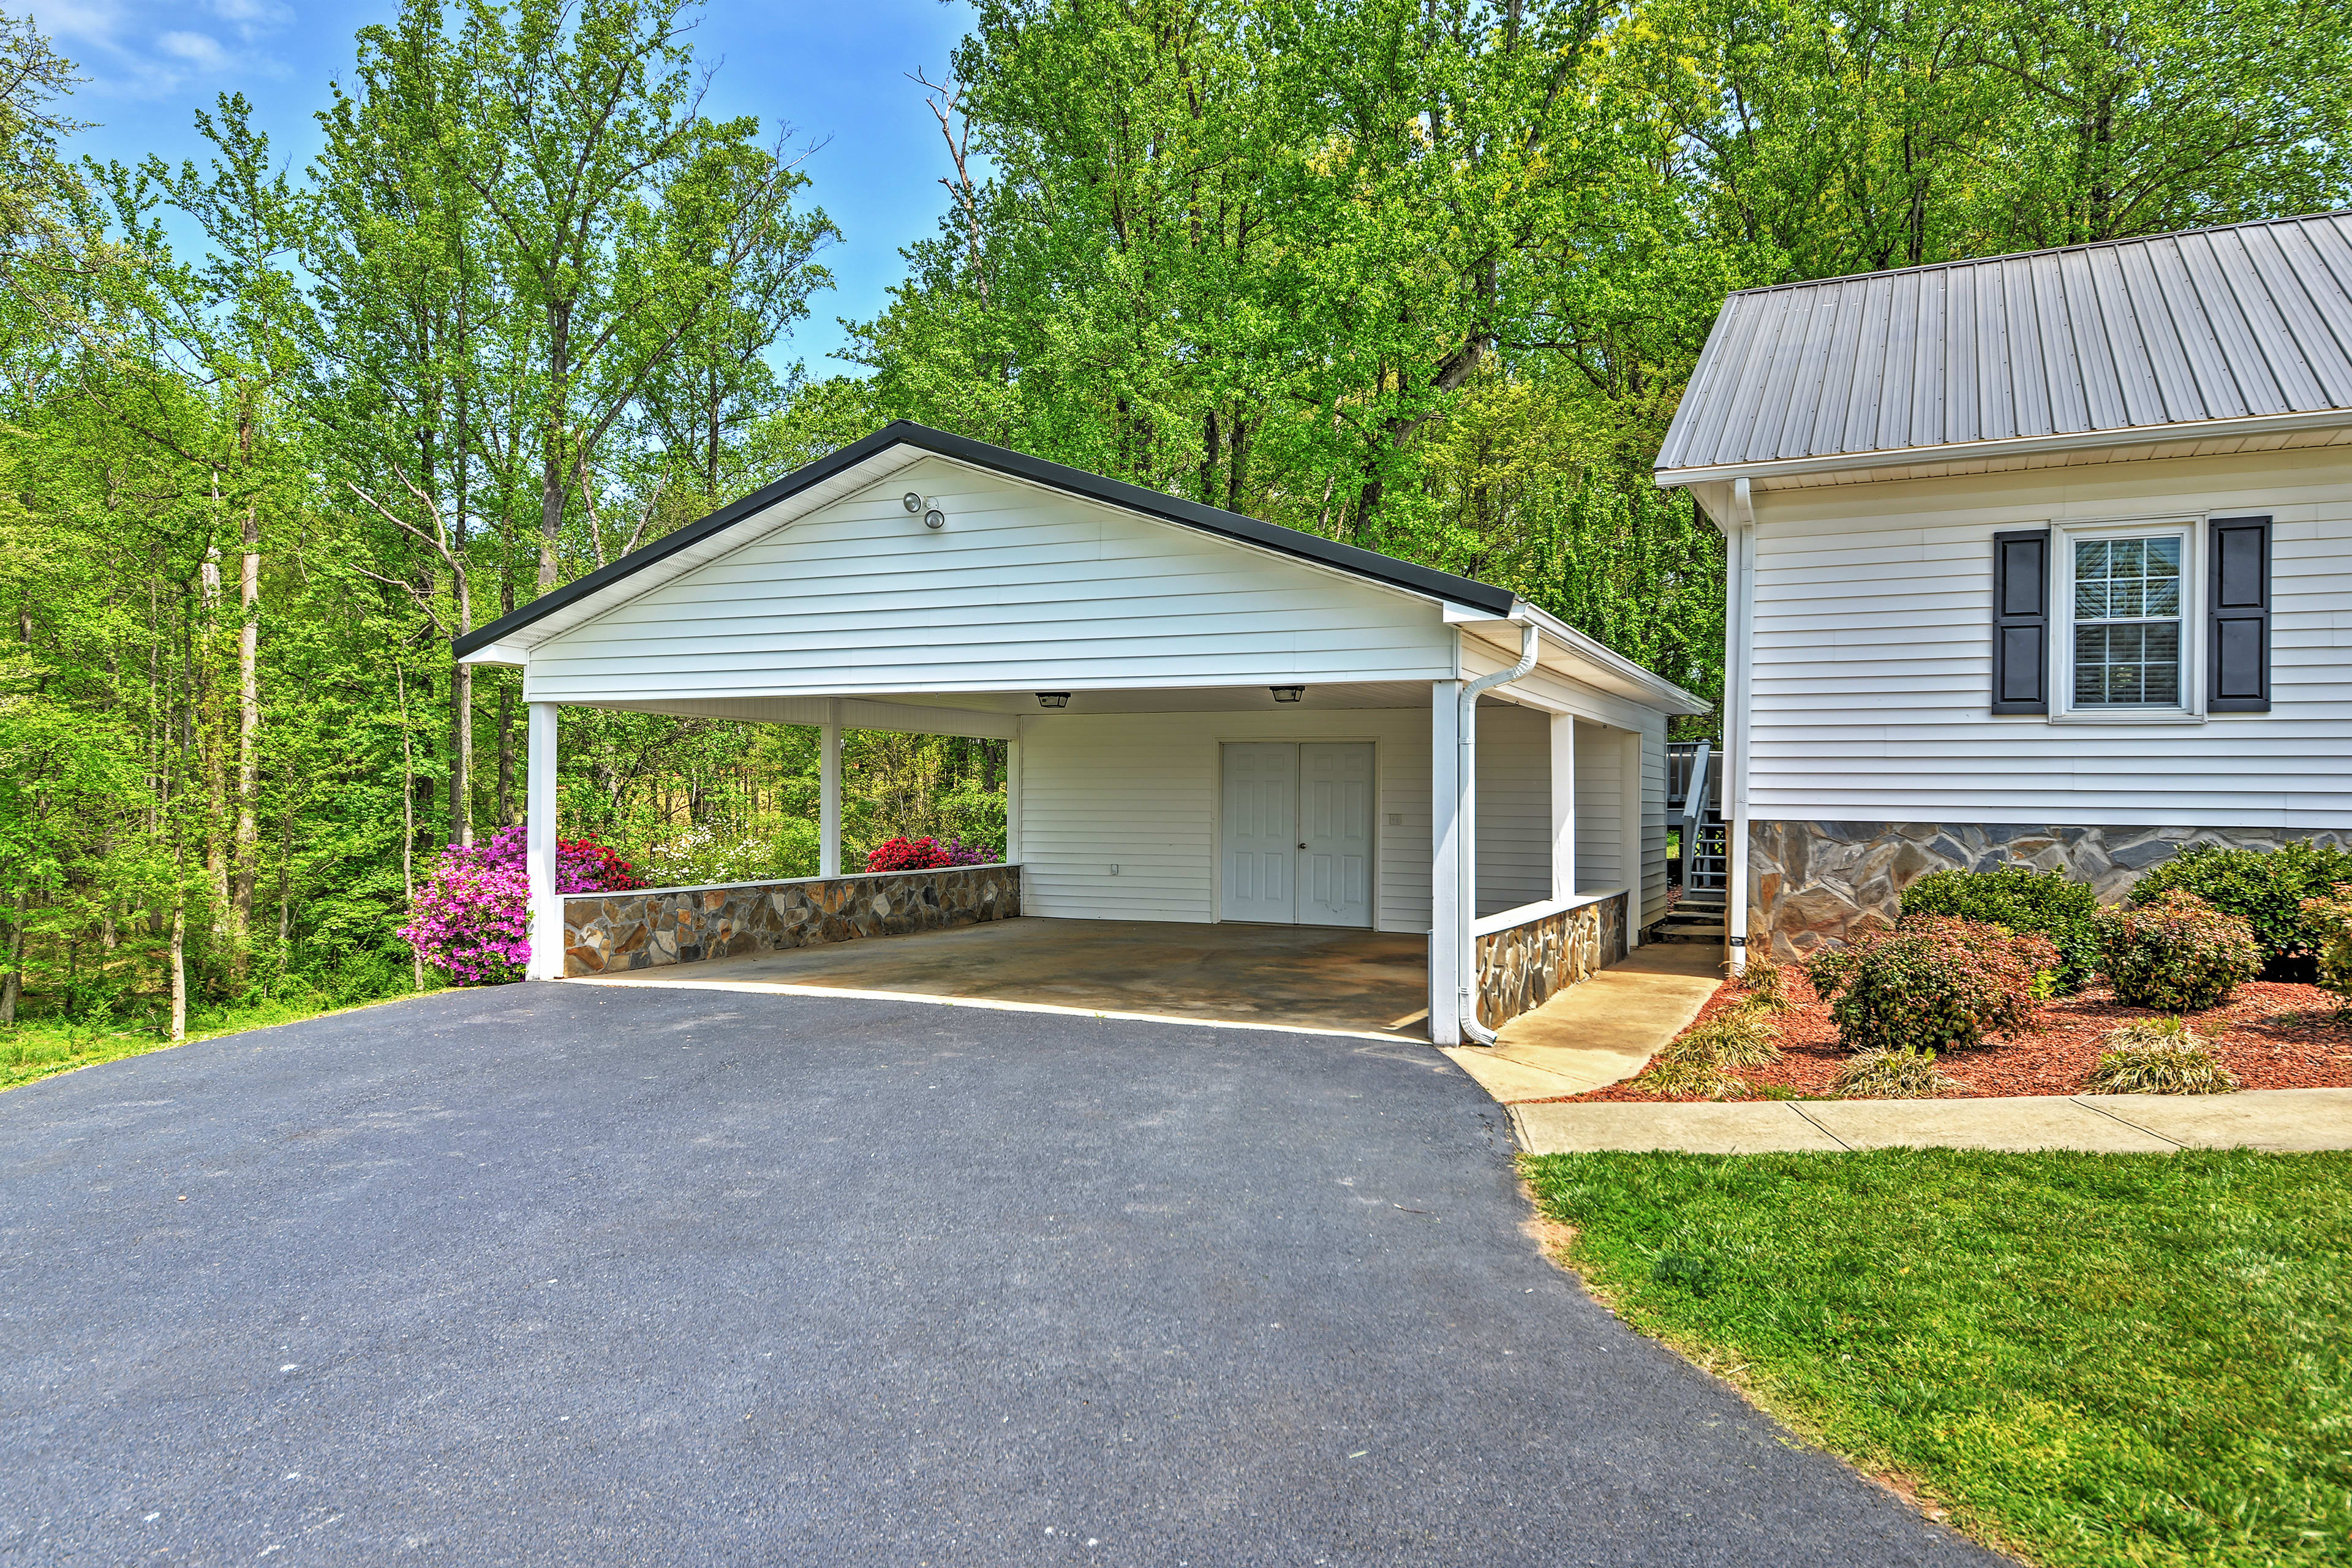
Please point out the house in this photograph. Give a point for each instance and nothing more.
(2041, 560)
(1209, 718)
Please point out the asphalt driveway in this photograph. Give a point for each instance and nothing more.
(574, 1274)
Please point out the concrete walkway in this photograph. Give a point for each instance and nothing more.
(2278, 1120)
(1601, 1030)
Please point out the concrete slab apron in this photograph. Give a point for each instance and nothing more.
(2025, 1122)
(1598, 1032)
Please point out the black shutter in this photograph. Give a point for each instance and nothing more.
(2021, 621)
(2238, 650)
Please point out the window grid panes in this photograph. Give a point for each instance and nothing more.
(2127, 621)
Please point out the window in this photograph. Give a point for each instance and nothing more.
(2127, 609)
(2145, 622)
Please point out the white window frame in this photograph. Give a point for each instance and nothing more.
(2064, 536)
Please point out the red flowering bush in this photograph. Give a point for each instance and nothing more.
(2177, 953)
(471, 918)
(926, 854)
(1934, 983)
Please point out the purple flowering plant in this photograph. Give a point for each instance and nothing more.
(472, 917)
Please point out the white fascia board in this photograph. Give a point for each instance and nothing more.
(2008, 446)
(1597, 664)
(499, 655)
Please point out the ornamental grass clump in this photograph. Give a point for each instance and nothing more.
(2328, 925)
(2176, 954)
(2159, 1056)
(1932, 983)
(1908, 1073)
(2041, 903)
(1766, 986)
(1699, 1061)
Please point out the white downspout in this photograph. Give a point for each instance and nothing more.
(1466, 824)
(1741, 634)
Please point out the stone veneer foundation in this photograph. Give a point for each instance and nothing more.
(1521, 967)
(1817, 883)
(606, 933)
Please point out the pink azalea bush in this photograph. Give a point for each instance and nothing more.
(926, 854)
(471, 918)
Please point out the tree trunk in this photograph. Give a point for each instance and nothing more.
(461, 753)
(506, 753)
(248, 726)
(179, 961)
(408, 819)
(12, 986)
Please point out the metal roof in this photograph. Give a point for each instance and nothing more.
(2248, 323)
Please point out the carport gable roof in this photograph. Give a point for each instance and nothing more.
(863, 463)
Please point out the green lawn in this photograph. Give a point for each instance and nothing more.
(39, 1048)
(2087, 1358)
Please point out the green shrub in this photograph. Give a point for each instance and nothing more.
(1932, 982)
(2327, 926)
(2044, 903)
(2177, 954)
(1906, 1074)
(2157, 1056)
(2265, 888)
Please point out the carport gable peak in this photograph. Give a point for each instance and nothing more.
(872, 464)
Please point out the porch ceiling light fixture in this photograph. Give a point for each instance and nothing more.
(1053, 699)
(1287, 693)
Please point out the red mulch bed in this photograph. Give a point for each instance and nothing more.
(2273, 1037)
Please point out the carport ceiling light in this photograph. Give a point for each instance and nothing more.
(1287, 693)
(1053, 699)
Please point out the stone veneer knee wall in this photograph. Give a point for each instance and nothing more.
(1523, 966)
(1817, 883)
(606, 933)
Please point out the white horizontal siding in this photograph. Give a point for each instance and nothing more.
(1140, 791)
(1653, 823)
(1874, 656)
(1514, 806)
(1024, 588)
(1600, 786)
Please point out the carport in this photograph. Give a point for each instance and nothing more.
(1211, 722)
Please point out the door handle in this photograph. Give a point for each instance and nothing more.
(1302, 846)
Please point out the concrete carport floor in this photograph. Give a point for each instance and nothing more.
(560, 1274)
(1313, 977)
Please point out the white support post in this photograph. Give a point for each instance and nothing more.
(1447, 917)
(1563, 805)
(546, 960)
(1013, 797)
(1636, 808)
(828, 823)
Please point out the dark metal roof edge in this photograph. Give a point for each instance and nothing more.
(1349, 558)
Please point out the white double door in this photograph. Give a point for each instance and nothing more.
(1298, 833)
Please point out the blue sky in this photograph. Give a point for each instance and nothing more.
(835, 72)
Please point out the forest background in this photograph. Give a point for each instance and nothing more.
(1424, 277)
